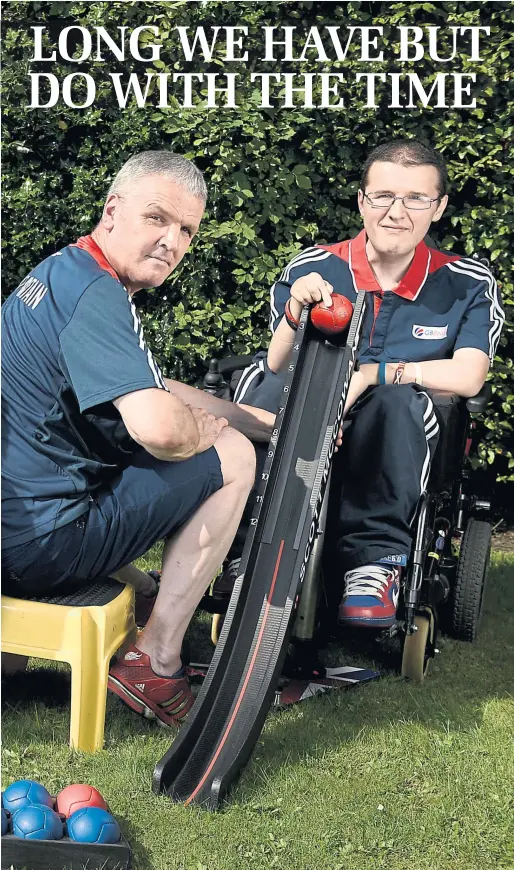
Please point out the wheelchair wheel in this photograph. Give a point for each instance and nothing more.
(416, 655)
(216, 626)
(470, 580)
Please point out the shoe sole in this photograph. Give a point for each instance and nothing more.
(137, 705)
(366, 623)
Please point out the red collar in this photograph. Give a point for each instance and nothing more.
(87, 243)
(411, 283)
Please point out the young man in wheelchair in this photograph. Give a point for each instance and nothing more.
(432, 322)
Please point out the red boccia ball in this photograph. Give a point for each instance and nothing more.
(334, 319)
(78, 796)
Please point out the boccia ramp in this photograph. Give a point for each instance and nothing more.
(223, 727)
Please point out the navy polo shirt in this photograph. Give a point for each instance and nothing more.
(71, 343)
(443, 303)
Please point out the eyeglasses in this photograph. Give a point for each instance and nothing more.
(416, 202)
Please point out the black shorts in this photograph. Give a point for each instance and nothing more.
(147, 502)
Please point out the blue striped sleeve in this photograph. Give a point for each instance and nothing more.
(484, 316)
(103, 349)
(309, 260)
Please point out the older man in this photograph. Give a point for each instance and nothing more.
(433, 320)
(102, 456)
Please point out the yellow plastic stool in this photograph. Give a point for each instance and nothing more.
(85, 629)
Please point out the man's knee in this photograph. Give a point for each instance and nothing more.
(237, 457)
(396, 405)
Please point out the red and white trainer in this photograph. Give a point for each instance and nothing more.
(370, 596)
(167, 699)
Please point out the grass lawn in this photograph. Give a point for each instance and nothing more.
(388, 775)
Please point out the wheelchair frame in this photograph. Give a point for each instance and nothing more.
(433, 583)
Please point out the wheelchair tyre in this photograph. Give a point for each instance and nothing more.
(416, 656)
(470, 580)
(216, 626)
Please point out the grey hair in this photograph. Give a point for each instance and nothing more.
(178, 168)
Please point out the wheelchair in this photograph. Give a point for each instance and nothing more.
(446, 574)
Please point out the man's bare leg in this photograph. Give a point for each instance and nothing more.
(193, 555)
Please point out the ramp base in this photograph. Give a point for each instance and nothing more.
(292, 691)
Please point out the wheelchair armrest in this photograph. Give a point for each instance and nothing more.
(233, 363)
(444, 398)
(477, 404)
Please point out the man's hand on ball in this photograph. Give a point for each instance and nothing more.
(308, 289)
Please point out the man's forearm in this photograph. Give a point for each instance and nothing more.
(446, 374)
(159, 422)
(454, 375)
(255, 423)
(281, 346)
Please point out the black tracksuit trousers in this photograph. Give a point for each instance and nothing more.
(385, 461)
(382, 468)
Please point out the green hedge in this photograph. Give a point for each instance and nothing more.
(279, 179)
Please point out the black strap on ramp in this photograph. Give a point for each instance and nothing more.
(221, 731)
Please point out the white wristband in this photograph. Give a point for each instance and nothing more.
(418, 375)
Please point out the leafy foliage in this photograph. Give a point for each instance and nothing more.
(279, 179)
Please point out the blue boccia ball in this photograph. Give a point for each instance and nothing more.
(93, 825)
(5, 823)
(23, 792)
(35, 822)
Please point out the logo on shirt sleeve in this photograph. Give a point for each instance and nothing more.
(31, 291)
(433, 332)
